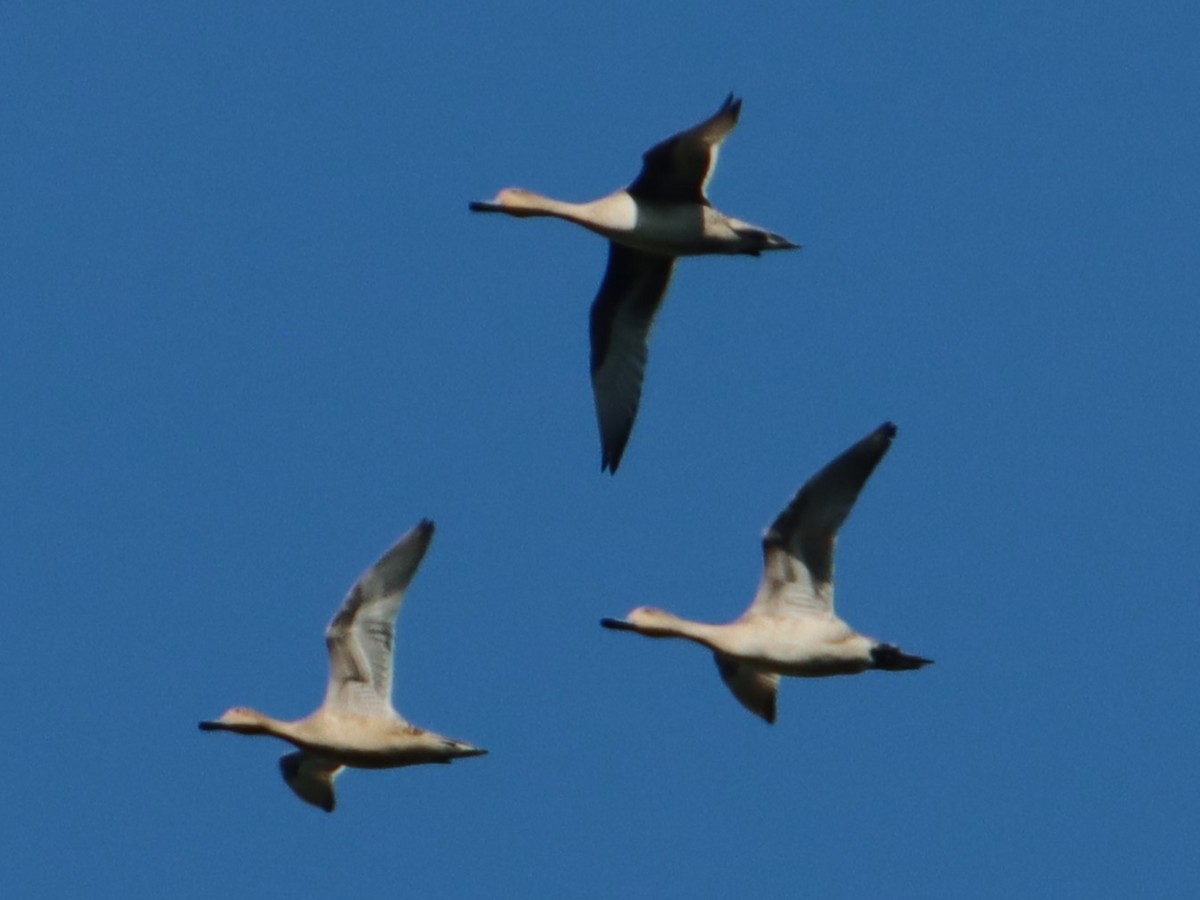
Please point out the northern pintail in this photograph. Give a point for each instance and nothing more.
(790, 627)
(357, 725)
(663, 214)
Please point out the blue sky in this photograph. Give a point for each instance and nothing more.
(251, 335)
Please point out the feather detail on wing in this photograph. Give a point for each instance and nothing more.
(754, 689)
(361, 635)
(798, 546)
(622, 316)
(678, 169)
(311, 777)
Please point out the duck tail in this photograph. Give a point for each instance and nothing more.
(892, 659)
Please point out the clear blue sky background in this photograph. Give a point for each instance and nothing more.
(251, 334)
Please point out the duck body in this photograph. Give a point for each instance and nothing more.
(656, 227)
(813, 648)
(360, 742)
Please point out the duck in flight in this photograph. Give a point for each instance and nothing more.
(356, 725)
(663, 214)
(790, 627)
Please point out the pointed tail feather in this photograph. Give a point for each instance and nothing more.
(892, 659)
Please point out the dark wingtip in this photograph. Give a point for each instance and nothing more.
(209, 726)
(289, 766)
(768, 714)
(481, 206)
(616, 624)
(612, 453)
(887, 430)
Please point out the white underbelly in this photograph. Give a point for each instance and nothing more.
(687, 230)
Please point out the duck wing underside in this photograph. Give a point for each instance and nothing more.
(678, 169)
(621, 319)
(754, 689)
(310, 776)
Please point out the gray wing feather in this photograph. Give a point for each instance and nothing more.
(798, 546)
(678, 169)
(361, 635)
(310, 777)
(621, 319)
(754, 689)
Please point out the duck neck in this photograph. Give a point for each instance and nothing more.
(252, 722)
(614, 214)
(669, 625)
(539, 205)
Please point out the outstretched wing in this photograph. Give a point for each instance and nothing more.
(678, 169)
(311, 777)
(756, 690)
(361, 634)
(798, 546)
(622, 315)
